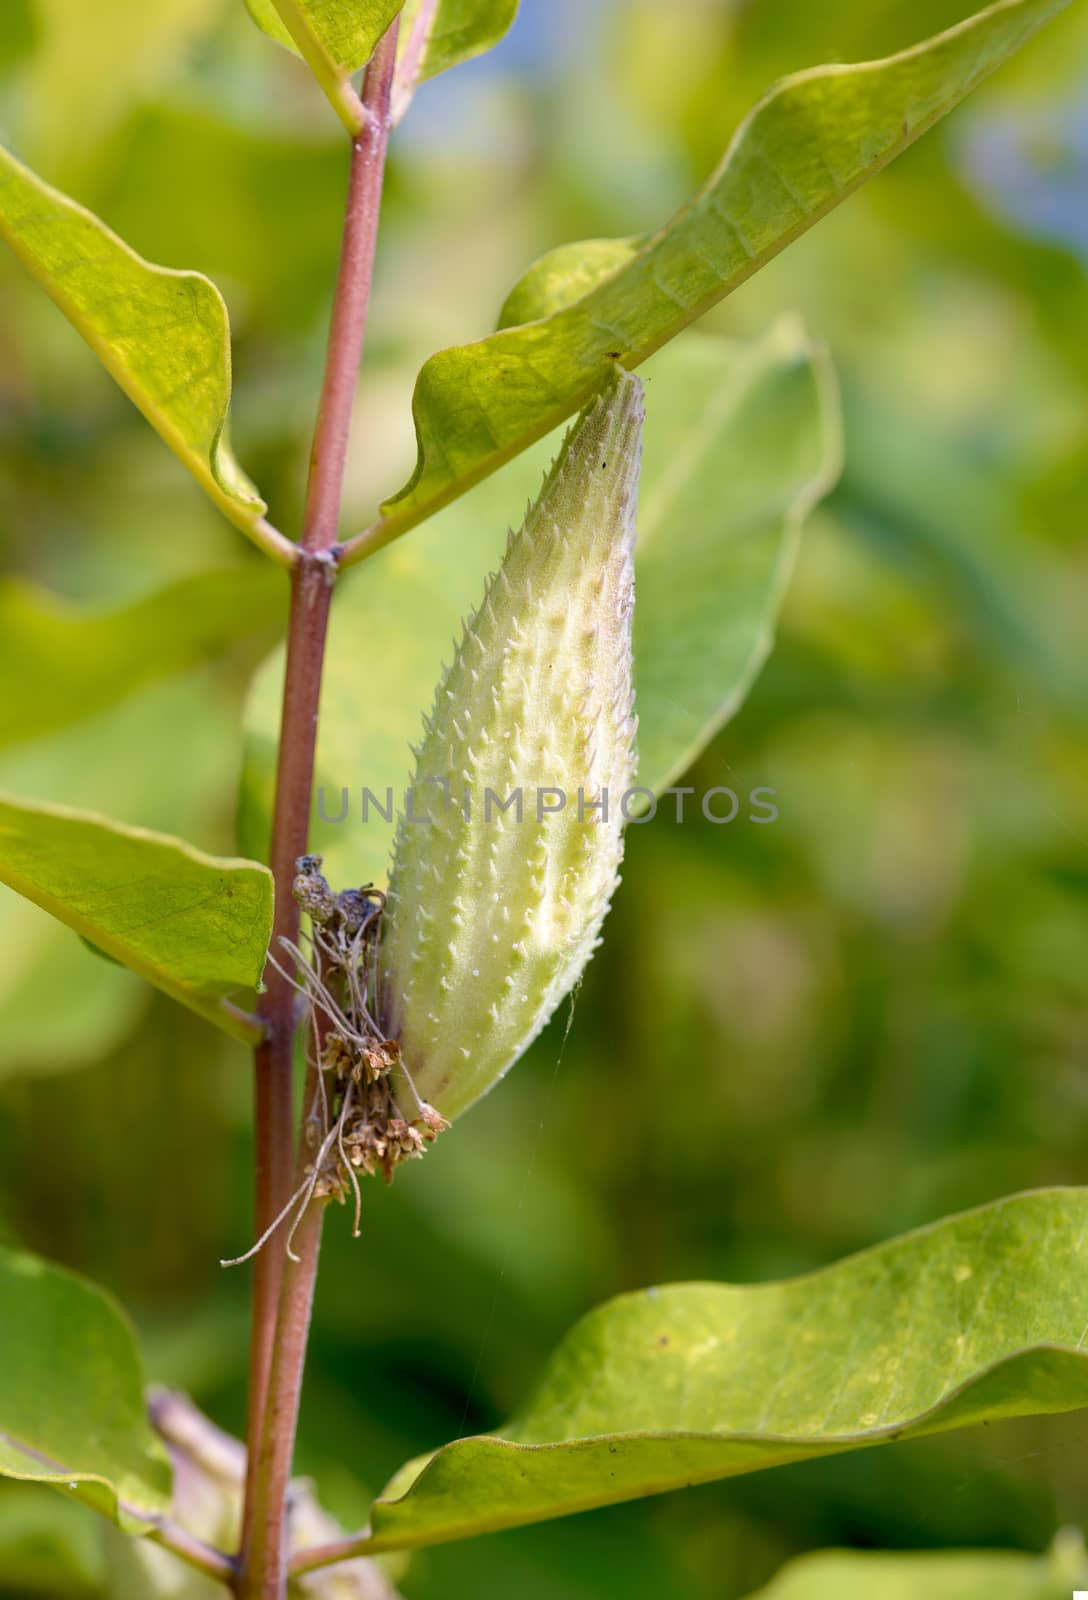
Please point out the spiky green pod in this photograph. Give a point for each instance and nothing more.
(492, 918)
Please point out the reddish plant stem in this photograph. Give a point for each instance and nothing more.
(269, 1474)
(277, 1356)
(204, 1557)
(317, 1556)
(264, 1565)
(274, 1097)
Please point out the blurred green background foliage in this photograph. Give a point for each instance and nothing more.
(797, 1039)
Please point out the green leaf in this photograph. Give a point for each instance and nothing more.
(163, 335)
(438, 34)
(71, 662)
(196, 926)
(808, 145)
(959, 1575)
(335, 37)
(740, 440)
(72, 1396)
(181, 785)
(347, 30)
(977, 1317)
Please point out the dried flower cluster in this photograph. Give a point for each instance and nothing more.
(357, 1122)
(364, 1113)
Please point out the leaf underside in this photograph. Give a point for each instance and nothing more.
(978, 1317)
(196, 926)
(807, 146)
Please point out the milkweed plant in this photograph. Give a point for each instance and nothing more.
(409, 996)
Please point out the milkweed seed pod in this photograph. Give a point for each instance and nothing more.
(508, 849)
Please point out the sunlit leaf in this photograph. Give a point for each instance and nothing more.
(196, 926)
(958, 1575)
(71, 662)
(347, 30)
(808, 145)
(739, 442)
(163, 335)
(71, 1394)
(977, 1317)
(183, 728)
(333, 36)
(438, 34)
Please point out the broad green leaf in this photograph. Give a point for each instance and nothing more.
(740, 440)
(163, 335)
(196, 926)
(808, 145)
(70, 662)
(333, 36)
(72, 1407)
(183, 728)
(438, 34)
(346, 30)
(978, 1317)
(957, 1575)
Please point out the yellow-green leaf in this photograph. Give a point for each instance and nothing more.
(163, 335)
(347, 30)
(72, 1409)
(182, 728)
(807, 146)
(977, 1317)
(334, 37)
(196, 926)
